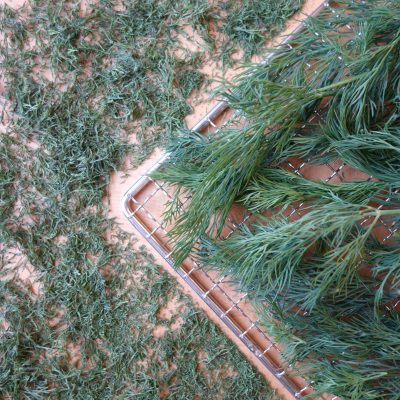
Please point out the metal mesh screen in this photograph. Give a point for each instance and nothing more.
(143, 206)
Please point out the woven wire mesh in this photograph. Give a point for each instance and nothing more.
(142, 207)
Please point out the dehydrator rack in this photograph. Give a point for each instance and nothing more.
(143, 206)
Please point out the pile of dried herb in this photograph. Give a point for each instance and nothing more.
(330, 283)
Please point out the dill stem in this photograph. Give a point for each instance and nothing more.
(323, 91)
(394, 211)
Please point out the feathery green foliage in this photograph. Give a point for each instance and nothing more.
(280, 97)
(264, 257)
(276, 187)
(109, 320)
(349, 351)
(310, 255)
(224, 167)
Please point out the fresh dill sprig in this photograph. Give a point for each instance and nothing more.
(345, 348)
(222, 168)
(319, 69)
(265, 257)
(310, 255)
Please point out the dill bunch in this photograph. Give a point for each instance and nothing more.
(328, 238)
(344, 347)
(346, 66)
(310, 256)
(219, 168)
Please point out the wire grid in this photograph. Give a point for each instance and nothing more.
(212, 287)
(230, 305)
(233, 310)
